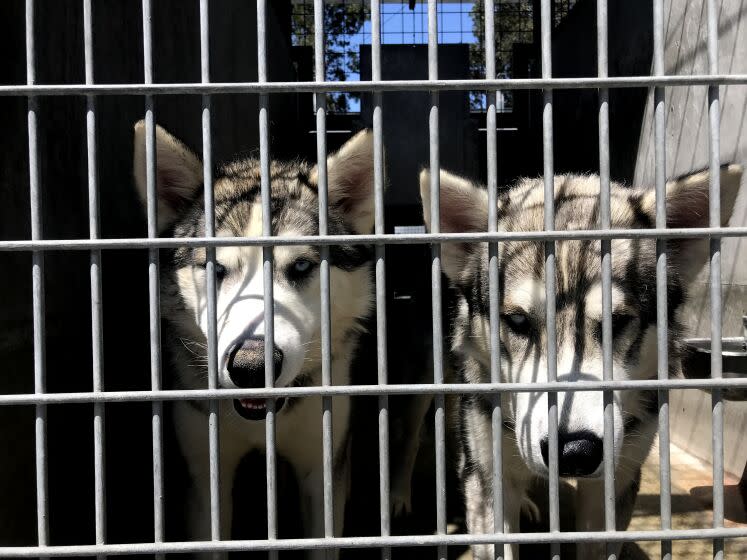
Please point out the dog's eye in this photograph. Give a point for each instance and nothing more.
(619, 322)
(519, 323)
(300, 268)
(220, 270)
(302, 265)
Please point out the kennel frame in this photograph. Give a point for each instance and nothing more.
(157, 395)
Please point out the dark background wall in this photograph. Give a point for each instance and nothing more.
(62, 157)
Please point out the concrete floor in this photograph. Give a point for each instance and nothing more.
(691, 508)
(692, 482)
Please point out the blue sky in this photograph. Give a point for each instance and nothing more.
(400, 25)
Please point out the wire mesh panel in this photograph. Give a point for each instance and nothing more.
(333, 80)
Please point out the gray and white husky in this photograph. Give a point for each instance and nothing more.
(464, 208)
(240, 313)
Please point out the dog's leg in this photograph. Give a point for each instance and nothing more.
(312, 483)
(191, 431)
(590, 517)
(341, 488)
(512, 504)
(479, 506)
(590, 512)
(312, 509)
(589, 496)
(193, 439)
(401, 493)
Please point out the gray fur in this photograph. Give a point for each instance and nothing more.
(240, 313)
(578, 308)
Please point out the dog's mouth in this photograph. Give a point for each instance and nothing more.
(255, 409)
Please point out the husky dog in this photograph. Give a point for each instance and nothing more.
(464, 208)
(240, 313)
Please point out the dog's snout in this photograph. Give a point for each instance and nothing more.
(579, 453)
(246, 363)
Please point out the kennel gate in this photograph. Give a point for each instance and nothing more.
(263, 88)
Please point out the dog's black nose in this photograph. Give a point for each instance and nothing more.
(580, 453)
(246, 363)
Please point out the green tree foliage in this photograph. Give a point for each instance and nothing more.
(342, 21)
(513, 24)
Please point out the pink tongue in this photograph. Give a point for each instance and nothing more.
(252, 402)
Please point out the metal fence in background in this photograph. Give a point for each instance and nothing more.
(157, 395)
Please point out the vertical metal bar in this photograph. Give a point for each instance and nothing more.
(662, 318)
(210, 284)
(549, 180)
(321, 153)
(438, 367)
(37, 290)
(606, 249)
(714, 112)
(381, 346)
(267, 268)
(154, 297)
(493, 277)
(97, 341)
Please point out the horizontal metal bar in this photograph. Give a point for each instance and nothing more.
(372, 239)
(383, 85)
(354, 390)
(368, 542)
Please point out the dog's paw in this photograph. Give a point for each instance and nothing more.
(401, 500)
(530, 511)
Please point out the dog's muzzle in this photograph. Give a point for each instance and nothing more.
(579, 453)
(246, 368)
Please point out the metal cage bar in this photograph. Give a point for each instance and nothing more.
(154, 297)
(97, 337)
(371, 542)
(34, 90)
(435, 193)
(494, 278)
(391, 389)
(549, 223)
(495, 389)
(717, 405)
(384, 239)
(662, 318)
(380, 257)
(210, 283)
(267, 278)
(323, 191)
(605, 223)
(37, 291)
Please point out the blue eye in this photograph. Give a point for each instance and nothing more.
(302, 265)
(519, 323)
(220, 270)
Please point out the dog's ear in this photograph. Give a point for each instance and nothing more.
(688, 207)
(350, 181)
(464, 209)
(178, 173)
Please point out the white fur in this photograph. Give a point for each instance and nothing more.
(240, 314)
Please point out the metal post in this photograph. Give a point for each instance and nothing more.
(549, 179)
(662, 318)
(267, 271)
(321, 153)
(154, 299)
(210, 284)
(363, 86)
(380, 254)
(494, 278)
(714, 113)
(37, 291)
(97, 338)
(606, 249)
(438, 368)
